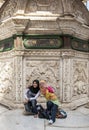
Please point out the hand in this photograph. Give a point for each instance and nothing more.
(25, 101)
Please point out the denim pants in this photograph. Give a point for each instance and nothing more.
(52, 108)
(31, 106)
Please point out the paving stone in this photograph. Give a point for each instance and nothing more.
(59, 128)
(15, 120)
(83, 110)
(3, 109)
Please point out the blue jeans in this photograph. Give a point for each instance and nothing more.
(31, 106)
(52, 108)
(34, 108)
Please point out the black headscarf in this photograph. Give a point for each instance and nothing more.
(35, 90)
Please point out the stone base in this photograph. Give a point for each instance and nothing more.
(75, 104)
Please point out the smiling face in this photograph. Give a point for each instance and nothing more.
(35, 85)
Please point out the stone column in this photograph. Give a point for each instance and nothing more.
(18, 70)
(66, 77)
(18, 44)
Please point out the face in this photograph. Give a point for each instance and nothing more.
(43, 84)
(42, 88)
(35, 85)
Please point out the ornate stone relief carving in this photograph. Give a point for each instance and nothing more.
(7, 79)
(66, 79)
(54, 9)
(10, 8)
(44, 64)
(46, 70)
(80, 78)
(18, 78)
(67, 75)
(46, 5)
(7, 30)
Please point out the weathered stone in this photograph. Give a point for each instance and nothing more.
(67, 70)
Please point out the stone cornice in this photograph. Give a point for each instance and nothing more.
(51, 53)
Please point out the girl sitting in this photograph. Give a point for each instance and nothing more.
(31, 94)
(52, 100)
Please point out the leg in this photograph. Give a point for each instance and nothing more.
(54, 110)
(49, 106)
(28, 107)
(34, 108)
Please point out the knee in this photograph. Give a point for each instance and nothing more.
(49, 103)
(33, 102)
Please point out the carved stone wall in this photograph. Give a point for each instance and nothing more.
(75, 79)
(66, 70)
(80, 77)
(46, 69)
(7, 79)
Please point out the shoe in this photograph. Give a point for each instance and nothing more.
(50, 122)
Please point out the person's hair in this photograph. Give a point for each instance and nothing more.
(37, 82)
(43, 81)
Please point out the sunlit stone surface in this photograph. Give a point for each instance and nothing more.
(60, 25)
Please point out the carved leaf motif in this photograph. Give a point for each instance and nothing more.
(47, 70)
(80, 78)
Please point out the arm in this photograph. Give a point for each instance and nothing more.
(37, 95)
(50, 95)
(25, 94)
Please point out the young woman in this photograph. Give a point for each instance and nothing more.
(52, 100)
(31, 94)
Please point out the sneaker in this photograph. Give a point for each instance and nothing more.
(50, 122)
